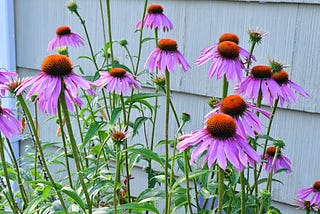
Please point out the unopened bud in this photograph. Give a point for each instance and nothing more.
(185, 117)
(123, 42)
(265, 194)
(73, 7)
(213, 101)
(63, 50)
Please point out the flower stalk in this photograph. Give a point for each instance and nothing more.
(39, 148)
(167, 75)
(74, 147)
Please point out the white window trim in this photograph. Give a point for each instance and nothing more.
(8, 55)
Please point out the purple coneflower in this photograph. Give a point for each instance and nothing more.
(260, 79)
(281, 162)
(9, 124)
(288, 88)
(55, 71)
(156, 19)
(304, 204)
(222, 141)
(5, 78)
(117, 80)
(242, 112)
(166, 56)
(304, 193)
(65, 37)
(226, 58)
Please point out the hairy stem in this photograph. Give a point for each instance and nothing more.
(74, 147)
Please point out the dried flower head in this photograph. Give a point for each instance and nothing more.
(255, 35)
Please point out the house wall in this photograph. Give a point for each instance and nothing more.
(293, 28)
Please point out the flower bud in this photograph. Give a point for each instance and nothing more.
(160, 81)
(62, 50)
(213, 101)
(185, 117)
(123, 42)
(265, 194)
(279, 143)
(73, 7)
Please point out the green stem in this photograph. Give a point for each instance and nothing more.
(102, 22)
(220, 189)
(13, 204)
(74, 147)
(186, 172)
(109, 28)
(88, 39)
(261, 210)
(116, 179)
(39, 147)
(250, 54)
(225, 86)
(16, 166)
(81, 134)
(140, 39)
(125, 146)
(172, 168)
(130, 57)
(105, 102)
(98, 160)
(243, 193)
(269, 183)
(154, 121)
(167, 75)
(274, 108)
(35, 146)
(65, 149)
(255, 172)
(308, 211)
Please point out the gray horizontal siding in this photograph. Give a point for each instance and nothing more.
(293, 31)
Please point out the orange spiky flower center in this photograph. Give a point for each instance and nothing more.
(229, 50)
(271, 151)
(307, 204)
(229, 37)
(261, 71)
(280, 77)
(168, 45)
(316, 186)
(117, 72)
(63, 30)
(221, 126)
(57, 65)
(155, 9)
(13, 85)
(233, 105)
(118, 136)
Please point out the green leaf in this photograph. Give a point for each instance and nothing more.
(147, 154)
(151, 194)
(115, 115)
(84, 57)
(137, 124)
(139, 207)
(33, 205)
(264, 180)
(141, 96)
(192, 175)
(72, 194)
(266, 137)
(146, 39)
(281, 170)
(93, 129)
(46, 191)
